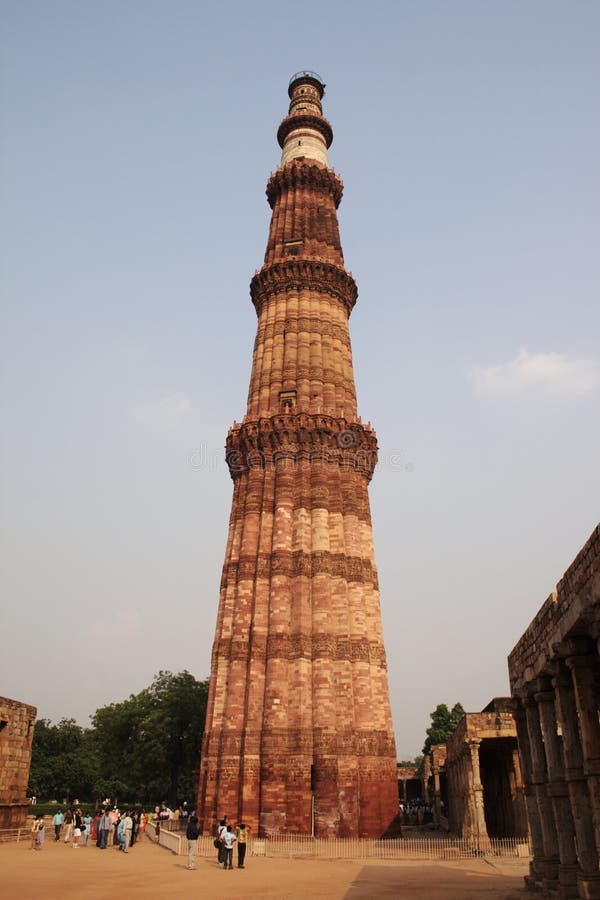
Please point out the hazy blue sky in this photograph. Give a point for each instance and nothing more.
(137, 138)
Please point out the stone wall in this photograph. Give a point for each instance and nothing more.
(16, 736)
(554, 674)
(485, 792)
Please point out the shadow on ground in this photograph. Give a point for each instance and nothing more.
(436, 882)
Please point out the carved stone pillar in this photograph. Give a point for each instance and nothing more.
(425, 779)
(583, 671)
(453, 797)
(480, 827)
(437, 796)
(466, 809)
(518, 795)
(581, 809)
(540, 781)
(558, 792)
(537, 865)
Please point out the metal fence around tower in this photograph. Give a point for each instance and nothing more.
(302, 846)
(299, 846)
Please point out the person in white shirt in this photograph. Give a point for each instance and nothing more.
(229, 840)
(127, 829)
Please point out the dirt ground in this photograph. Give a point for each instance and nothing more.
(152, 872)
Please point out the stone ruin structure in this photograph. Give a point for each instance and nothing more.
(439, 784)
(485, 792)
(16, 736)
(410, 784)
(298, 734)
(555, 681)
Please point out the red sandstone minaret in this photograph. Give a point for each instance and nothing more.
(298, 733)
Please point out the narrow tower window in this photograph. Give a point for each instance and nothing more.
(292, 247)
(287, 399)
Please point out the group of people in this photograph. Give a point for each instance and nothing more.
(415, 813)
(171, 819)
(77, 826)
(225, 840)
(227, 836)
(110, 827)
(107, 828)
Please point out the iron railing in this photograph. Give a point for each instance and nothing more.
(289, 846)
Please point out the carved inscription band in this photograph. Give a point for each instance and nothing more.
(305, 741)
(302, 646)
(300, 563)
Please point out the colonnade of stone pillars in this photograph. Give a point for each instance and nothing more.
(559, 744)
(465, 794)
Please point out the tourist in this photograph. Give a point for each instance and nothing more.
(127, 830)
(35, 826)
(87, 829)
(143, 822)
(220, 832)
(57, 820)
(95, 828)
(229, 840)
(135, 818)
(41, 833)
(192, 839)
(241, 832)
(68, 824)
(115, 817)
(121, 833)
(77, 828)
(105, 826)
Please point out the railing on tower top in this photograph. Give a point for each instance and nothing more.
(305, 73)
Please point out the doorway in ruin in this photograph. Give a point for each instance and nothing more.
(497, 777)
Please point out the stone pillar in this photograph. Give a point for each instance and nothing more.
(581, 809)
(584, 673)
(425, 779)
(536, 867)
(452, 796)
(480, 827)
(518, 795)
(437, 796)
(558, 792)
(540, 782)
(465, 813)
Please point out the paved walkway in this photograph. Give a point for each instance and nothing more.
(153, 873)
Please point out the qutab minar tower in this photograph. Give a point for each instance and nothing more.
(298, 734)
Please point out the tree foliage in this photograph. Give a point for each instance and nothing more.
(144, 748)
(416, 763)
(443, 723)
(64, 763)
(149, 744)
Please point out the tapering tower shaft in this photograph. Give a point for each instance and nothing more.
(298, 733)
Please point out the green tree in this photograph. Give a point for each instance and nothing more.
(63, 760)
(415, 763)
(149, 744)
(443, 723)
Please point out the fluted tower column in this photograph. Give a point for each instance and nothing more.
(298, 733)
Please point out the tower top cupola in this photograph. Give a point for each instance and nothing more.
(305, 133)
